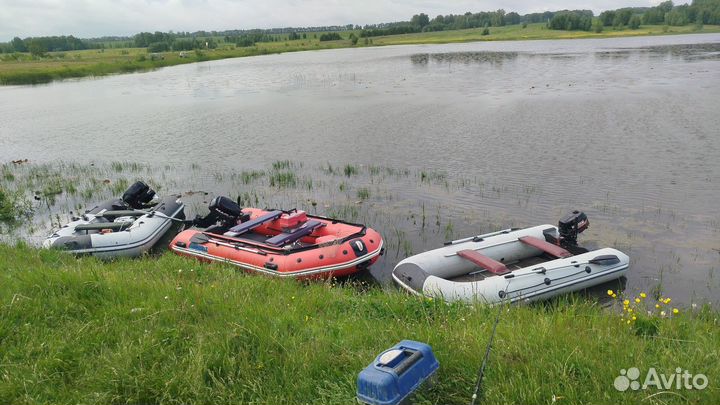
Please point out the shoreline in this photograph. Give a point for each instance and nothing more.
(167, 328)
(59, 66)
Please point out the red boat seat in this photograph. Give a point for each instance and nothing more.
(252, 224)
(487, 263)
(290, 237)
(547, 247)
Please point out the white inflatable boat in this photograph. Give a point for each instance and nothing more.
(512, 265)
(126, 227)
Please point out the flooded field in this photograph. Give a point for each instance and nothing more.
(423, 143)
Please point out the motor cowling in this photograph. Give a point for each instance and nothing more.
(223, 211)
(571, 225)
(138, 195)
(225, 208)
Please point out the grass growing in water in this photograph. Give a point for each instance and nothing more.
(350, 170)
(283, 179)
(173, 330)
(363, 193)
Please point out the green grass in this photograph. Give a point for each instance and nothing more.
(21, 68)
(171, 330)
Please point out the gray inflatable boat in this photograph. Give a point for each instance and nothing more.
(126, 227)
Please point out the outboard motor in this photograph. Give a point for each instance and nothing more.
(138, 195)
(571, 225)
(223, 212)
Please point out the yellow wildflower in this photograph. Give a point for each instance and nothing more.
(626, 302)
(629, 309)
(628, 322)
(643, 295)
(667, 300)
(637, 300)
(634, 318)
(610, 292)
(657, 305)
(614, 295)
(675, 311)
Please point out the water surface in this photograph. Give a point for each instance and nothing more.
(479, 135)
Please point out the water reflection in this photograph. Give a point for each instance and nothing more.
(683, 52)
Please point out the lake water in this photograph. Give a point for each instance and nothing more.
(450, 140)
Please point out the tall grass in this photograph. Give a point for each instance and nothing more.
(171, 330)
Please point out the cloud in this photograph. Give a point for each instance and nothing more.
(94, 18)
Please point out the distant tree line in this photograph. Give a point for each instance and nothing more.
(41, 45)
(698, 12)
(168, 41)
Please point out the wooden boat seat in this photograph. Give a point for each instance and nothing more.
(547, 247)
(290, 237)
(487, 263)
(253, 223)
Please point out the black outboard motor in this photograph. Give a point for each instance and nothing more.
(224, 213)
(570, 226)
(138, 195)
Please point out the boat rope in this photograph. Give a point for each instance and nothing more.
(481, 371)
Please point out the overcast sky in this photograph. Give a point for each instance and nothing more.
(94, 18)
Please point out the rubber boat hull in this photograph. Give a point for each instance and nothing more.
(333, 249)
(140, 234)
(443, 273)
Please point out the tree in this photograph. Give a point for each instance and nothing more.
(676, 18)
(37, 48)
(420, 20)
(497, 19)
(512, 18)
(571, 20)
(622, 17)
(634, 22)
(353, 38)
(655, 15)
(18, 45)
(666, 6)
(597, 26)
(158, 47)
(607, 17)
(330, 36)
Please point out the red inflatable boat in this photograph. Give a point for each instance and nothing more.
(279, 243)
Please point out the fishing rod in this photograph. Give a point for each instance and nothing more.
(481, 371)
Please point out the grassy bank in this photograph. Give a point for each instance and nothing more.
(170, 330)
(24, 69)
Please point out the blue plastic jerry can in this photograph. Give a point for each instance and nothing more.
(396, 373)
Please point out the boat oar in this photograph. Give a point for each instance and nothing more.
(477, 238)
